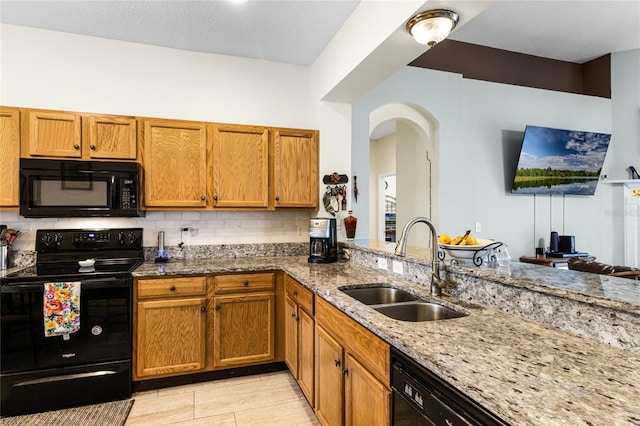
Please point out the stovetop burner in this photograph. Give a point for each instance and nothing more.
(117, 252)
(101, 266)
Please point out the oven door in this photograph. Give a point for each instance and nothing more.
(104, 334)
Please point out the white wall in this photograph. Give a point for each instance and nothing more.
(625, 93)
(481, 126)
(383, 162)
(48, 69)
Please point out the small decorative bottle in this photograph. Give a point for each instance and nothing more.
(350, 223)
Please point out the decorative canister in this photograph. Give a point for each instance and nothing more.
(350, 224)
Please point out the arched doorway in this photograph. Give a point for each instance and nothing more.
(408, 151)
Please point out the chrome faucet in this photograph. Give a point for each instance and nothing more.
(401, 250)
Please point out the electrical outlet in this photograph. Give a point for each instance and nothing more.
(478, 227)
(398, 267)
(300, 231)
(382, 263)
(193, 232)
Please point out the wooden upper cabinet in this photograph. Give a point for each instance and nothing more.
(240, 166)
(10, 157)
(110, 137)
(62, 134)
(175, 163)
(52, 134)
(295, 168)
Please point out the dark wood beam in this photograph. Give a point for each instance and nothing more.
(501, 66)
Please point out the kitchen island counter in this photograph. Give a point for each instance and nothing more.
(526, 372)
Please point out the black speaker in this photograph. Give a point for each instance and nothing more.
(553, 244)
(567, 244)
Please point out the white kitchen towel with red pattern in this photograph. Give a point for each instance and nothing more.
(61, 308)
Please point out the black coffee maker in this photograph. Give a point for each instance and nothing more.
(323, 240)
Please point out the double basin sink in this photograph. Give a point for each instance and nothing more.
(401, 305)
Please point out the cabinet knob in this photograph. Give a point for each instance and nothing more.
(203, 198)
(217, 307)
(92, 147)
(246, 283)
(203, 309)
(345, 372)
(293, 315)
(277, 198)
(295, 293)
(172, 288)
(215, 198)
(336, 362)
(76, 146)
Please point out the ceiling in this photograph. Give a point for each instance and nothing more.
(296, 32)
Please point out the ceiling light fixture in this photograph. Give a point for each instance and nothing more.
(432, 26)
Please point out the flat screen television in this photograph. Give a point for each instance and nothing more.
(556, 161)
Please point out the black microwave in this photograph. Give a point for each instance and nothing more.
(68, 188)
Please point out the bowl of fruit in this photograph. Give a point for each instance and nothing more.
(465, 247)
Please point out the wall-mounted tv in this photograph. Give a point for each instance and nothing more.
(556, 161)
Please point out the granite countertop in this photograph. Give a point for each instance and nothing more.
(526, 372)
(610, 292)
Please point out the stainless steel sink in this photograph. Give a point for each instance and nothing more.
(419, 311)
(400, 304)
(379, 295)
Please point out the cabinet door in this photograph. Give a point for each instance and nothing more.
(306, 334)
(10, 157)
(291, 321)
(367, 401)
(244, 329)
(240, 165)
(111, 137)
(329, 379)
(296, 168)
(170, 336)
(175, 166)
(52, 134)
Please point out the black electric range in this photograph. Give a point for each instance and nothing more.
(92, 362)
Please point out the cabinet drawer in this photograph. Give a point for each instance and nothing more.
(300, 294)
(243, 282)
(168, 287)
(365, 346)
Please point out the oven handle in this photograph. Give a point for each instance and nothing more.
(89, 284)
(66, 377)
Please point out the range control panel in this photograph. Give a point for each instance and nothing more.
(69, 240)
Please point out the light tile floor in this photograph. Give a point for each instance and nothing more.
(272, 399)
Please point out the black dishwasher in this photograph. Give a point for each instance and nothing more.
(422, 398)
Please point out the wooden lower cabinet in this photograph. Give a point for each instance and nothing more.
(367, 400)
(170, 336)
(244, 329)
(182, 326)
(329, 379)
(300, 335)
(306, 364)
(352, 372)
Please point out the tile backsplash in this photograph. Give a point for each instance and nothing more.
(205, 227)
